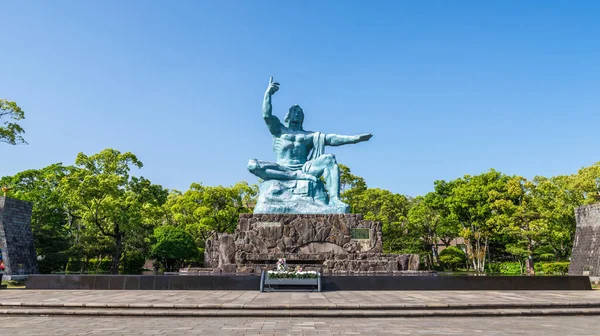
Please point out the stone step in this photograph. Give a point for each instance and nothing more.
(295, 306)
(297, 313)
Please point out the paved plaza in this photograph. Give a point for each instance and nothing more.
(156, 313)
(71, 326)
(256, 299)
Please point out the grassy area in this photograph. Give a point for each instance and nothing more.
(14, 284)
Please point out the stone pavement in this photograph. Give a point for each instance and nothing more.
(525, 326)
(323, 300)
(293, 304)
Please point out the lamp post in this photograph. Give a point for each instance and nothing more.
(5, 189)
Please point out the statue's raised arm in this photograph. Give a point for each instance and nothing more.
(272, 121)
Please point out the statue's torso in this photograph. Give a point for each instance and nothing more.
(292, 147)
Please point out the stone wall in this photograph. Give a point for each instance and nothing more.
(324, 242)
(16, 238)
(586, 246)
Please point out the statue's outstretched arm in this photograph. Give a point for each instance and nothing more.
(272, 121)
(339, 140)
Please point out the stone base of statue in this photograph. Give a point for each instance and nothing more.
(296, 197)
(326, 243)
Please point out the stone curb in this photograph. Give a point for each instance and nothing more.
(304, 313)
(303, 306)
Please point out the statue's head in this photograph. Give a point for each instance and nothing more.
(294, 117)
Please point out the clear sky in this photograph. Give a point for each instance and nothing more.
(447, 87)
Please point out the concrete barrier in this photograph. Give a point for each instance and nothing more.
(329, 283)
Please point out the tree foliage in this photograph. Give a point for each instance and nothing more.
(52, 233)
(452, 257)
(471, 200)
(97, 214)
(10, 131)
(106, 199)
(204, 210)
(173, 245)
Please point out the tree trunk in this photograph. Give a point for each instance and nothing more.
(435, 250)
(529, 262)
(485, 252)
(98, 264)
(477, 255)
(114, 266)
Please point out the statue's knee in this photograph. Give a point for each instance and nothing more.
(252, 165)
(329, 158)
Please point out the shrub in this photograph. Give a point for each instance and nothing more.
(452, 257)
(74, 265)
(16, 283)
(555, 268)
(52, 262)
(100, 265)
(132, 262)
(508, 267)
(173, 246)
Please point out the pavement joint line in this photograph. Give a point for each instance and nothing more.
(298, 307)
(372, 314)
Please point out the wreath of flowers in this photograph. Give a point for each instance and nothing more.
(283, 272)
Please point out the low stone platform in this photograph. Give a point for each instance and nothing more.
(406, 281)
(325, 304)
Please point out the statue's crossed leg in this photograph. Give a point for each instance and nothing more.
(274, 171)
(325, 165)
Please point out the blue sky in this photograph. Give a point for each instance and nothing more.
(447, 87)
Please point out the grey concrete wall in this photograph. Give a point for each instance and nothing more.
(586, 246)
(330, 283)
(16, 237)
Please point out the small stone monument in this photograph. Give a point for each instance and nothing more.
(16, 238)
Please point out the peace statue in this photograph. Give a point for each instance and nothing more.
(292, 184)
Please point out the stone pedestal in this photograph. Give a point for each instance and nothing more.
(585, 257)
(16, 238)
(325, 242)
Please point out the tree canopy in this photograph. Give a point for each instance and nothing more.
(11, 131)
(98, 214)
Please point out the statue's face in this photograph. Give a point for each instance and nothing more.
(295, 115)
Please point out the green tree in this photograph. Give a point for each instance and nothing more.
(424, 219)
(519, 217)
(52, 234)
(448, 227)
(471, 202)
(431, 219)
(583, 186)
(205, 210)
(391, 210)
(172, 247)
(556, 203)
(104, 197)
(350, 185)
(451, 257)
(10, 131)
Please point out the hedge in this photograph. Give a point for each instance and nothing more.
(513, 267)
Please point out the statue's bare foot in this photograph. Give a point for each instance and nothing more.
(336, 201)
(304, 176)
